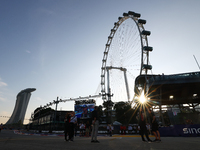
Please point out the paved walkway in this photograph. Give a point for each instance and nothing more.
(9, 141)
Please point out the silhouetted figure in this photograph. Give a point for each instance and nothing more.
(154, 126)
(82, 128)
(67, 121)
(142, 123)
(73, 121)
(110, 129)
(95, 125)
(87, 129)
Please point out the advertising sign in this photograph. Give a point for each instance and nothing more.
(84, 110)
(181, 130)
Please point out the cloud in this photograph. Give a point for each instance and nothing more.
(4, 116)
(5, 113)
(2, 83)
(2, 99)
(28, 52)
(33, 72)
(38, 99)
(46, 11)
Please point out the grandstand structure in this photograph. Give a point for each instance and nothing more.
(176, 93)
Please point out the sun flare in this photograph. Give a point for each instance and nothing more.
(142, 98)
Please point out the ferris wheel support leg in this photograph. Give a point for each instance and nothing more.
(108, 82)
(126, 84)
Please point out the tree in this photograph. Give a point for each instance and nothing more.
(108, 110)
(125, 113)
(100, 110)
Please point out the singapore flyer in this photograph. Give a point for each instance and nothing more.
(126, 56)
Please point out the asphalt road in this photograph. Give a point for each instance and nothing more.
(11, 141)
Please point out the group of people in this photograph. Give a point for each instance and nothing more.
(123, 129)
(71, 122)
(145, 118)
(85, 129)
(130, 129)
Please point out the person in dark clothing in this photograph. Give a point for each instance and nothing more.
(76, 128)
(87, 129)
(95, 125)
(67, 121)
(154, 126)
(110, 129)
(142, 123)
(73, 122)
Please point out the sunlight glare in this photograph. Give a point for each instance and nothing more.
(142, 98)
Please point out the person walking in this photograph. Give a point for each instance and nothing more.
(67, 121)
(73, 121)
(76, 128)
(110, 129)
(95, 125)
(130, 128)
(142, 118)
(87, 129)
(82, 128)
(154, 126)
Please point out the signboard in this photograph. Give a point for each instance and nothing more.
(84, 110)
(180, 130)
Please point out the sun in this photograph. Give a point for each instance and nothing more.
(142, 98)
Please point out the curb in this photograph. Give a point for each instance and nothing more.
(62, 135)
(36, 134)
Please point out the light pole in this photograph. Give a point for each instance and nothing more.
(56, 102)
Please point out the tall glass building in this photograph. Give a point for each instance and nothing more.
(20, 106)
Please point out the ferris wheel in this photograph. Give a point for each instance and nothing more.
(125, 57)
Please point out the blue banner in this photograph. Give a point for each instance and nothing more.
(181, 130)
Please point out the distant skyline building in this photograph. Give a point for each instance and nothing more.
(20, 106)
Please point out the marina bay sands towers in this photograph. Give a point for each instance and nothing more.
(20, 106)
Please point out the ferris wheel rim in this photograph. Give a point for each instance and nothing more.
(143, 40)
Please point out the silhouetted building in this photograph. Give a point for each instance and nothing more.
(48, 119)
(20, 106)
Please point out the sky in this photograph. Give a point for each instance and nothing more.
(57, 46)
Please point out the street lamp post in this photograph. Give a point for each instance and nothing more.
(56, 102)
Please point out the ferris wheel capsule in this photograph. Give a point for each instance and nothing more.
(125, 14)
(142, 21)
(148, 48)
(144, 32)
